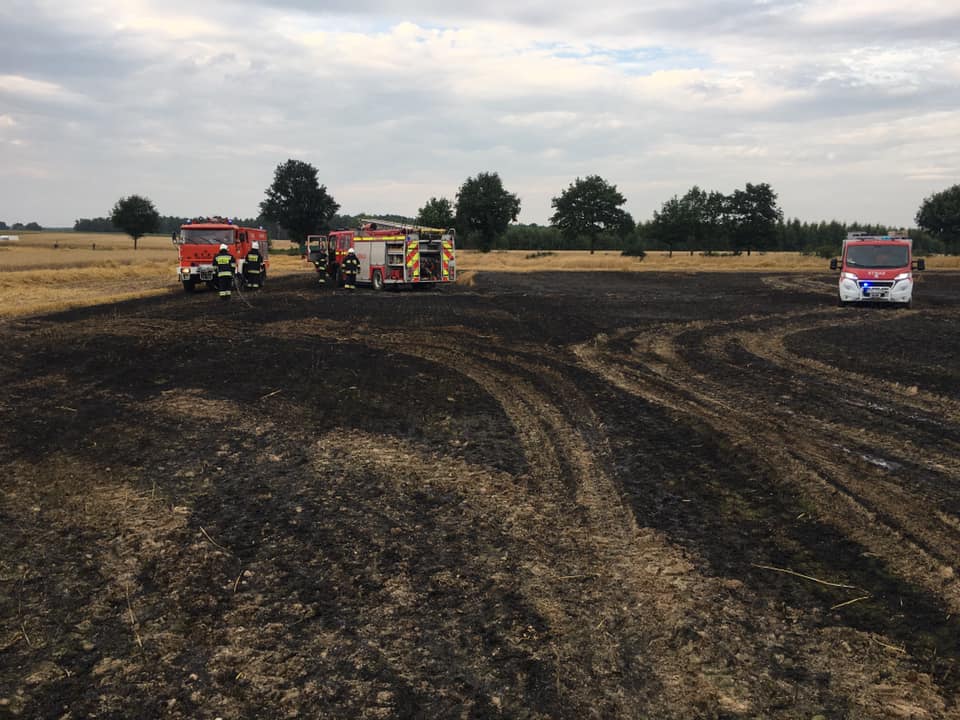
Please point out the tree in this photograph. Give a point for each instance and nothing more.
(136, 216)
(33, 226)
(590, 207)
(344, 222)
(939, 215)
(3, 225)
(437, 213)
(671, 224)
(485, 209)
(298, 202)
(715, 220)
(689, 220)
(753, 216)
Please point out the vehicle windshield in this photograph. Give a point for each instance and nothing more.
(198, 236)
(877, 256)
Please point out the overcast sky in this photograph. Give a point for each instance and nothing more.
(848, 109)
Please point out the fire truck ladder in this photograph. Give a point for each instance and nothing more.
(426, 232)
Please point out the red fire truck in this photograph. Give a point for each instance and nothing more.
(876, 268)
(394, 256)
(200, 239)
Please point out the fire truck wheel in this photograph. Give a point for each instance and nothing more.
(189, 285)
(377, 280)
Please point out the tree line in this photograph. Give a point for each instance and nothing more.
(588, 215)
(167, 224)
(20, 226)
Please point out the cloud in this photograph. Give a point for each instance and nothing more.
(29, 88)
(195, 104)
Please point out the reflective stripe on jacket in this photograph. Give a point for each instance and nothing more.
(224, 263)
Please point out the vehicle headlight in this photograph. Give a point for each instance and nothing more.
(902, 276)
(848, 276)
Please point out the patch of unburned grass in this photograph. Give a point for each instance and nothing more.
(37, 277)
(28, 292)
(78, 250)
(582, 260)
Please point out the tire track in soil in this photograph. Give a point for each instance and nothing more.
(934, 421)
(901, 509)
(611, 548)
(688, 369)
(870, 486)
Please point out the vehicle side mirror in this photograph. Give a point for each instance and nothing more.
(833, 263)
(920, 264)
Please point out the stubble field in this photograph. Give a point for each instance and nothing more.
(540, 494)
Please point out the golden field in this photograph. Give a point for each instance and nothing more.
(48, 271)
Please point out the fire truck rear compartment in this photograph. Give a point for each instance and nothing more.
(430, 263)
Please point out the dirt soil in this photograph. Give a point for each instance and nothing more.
(540, 496)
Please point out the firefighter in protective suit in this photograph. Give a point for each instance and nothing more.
(319, 259)
(350, 267)
(224, 266)
(253, 267)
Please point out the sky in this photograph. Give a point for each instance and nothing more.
(849, 110)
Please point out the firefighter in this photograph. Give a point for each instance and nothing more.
(320, 262)
(225, 267)
(351, 266)
(253, 267)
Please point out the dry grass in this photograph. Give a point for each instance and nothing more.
(46, 272)
(527, 261)
(28, 292)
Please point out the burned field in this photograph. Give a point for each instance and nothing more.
(540, 496)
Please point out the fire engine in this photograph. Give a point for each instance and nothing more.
(876, 268)
(390, 254)
(200, 239)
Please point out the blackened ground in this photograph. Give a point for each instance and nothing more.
(539, 495)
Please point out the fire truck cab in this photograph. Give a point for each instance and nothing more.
(200, 239)
(876, 269)
(394, 257)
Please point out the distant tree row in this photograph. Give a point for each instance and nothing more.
(136, 216)
(587, 215)
(166, 224)
(20, 226)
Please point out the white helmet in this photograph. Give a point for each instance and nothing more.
(351, 251)
(256, 245)
(223, 246)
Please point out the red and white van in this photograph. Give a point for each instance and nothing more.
(876, 269)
